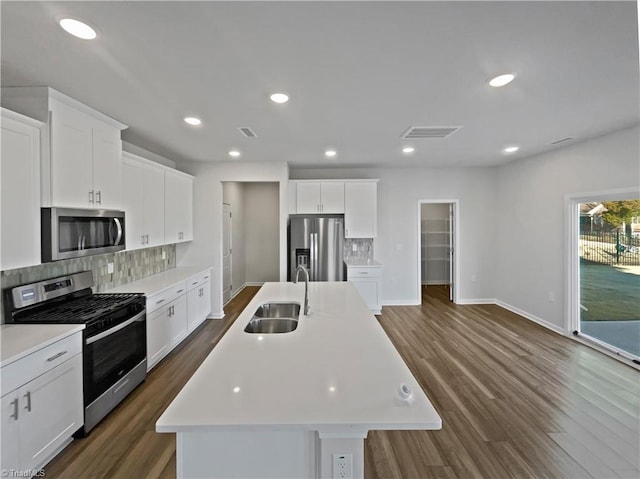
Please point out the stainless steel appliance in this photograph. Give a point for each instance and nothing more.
(114, 348)
(72, 233)
(316, 242)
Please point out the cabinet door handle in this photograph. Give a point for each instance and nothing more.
(56, 356)
(91, 197)
(28, 396)
(99, 197)
(15, 409)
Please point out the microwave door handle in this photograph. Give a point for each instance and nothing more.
(119, 235)
(138, 317)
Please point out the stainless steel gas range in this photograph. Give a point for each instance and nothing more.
(114, 339)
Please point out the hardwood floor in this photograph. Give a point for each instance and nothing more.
(516, 400)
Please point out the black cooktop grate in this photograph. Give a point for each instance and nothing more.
(78, 310)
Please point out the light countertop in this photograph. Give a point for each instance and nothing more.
(158, 282)
(357, 263)
(20, 340)
(338, 371)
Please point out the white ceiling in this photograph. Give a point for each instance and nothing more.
(358, 74)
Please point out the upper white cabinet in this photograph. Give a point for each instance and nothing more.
(320, 197)
(178, 206)
(143, 201)
(81, 161)
(20, 193)
(360, 209)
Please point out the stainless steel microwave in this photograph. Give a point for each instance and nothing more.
(73, 233)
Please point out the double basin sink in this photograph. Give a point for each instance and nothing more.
(272, 318)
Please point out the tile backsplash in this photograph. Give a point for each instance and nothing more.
(127, 266)
(364, 249)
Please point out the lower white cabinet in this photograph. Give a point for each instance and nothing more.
(40, 416)
(175, 312)
(368, 281)
(198, 299)
(166, 322)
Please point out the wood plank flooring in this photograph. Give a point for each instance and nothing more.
(516, 400)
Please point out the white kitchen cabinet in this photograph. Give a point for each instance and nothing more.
(166, 321)
(40, 415)
(178, 206)
(143, 201)
(198, 299)
(368, 281)
(319, 197)
(20, 193)
(81, 154)
(360, 209)
(158, 336)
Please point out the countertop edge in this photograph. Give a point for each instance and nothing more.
(41, 344)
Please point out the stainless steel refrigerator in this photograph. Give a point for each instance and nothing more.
(317, 242)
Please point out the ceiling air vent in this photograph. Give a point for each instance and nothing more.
(248, 132)
(427, 132)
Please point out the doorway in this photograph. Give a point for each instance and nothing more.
(227, 252)
(437, 249)
(604, 288)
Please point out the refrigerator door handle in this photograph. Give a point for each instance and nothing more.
(314, 256)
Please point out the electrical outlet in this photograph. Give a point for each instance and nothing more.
(109, 268)
(164, 255)
(354, 247)
(342, 466)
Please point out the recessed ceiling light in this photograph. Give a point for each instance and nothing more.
(408, 149)
(77, 28)
(332, 388)
(511, 149)
(502, 80)
(193, 121)
(330, 153)
(279, 98)
(236, 389)
(234, 153)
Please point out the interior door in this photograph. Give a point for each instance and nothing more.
(226, 253)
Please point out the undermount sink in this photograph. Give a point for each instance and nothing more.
(271, 318)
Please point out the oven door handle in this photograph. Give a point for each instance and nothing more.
(115, 329)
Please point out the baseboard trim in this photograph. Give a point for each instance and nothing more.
(472, 301)
(218, 315)
(253, 283)
(532, 317)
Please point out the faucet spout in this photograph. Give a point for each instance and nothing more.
(306, 287)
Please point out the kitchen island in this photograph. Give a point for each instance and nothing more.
(287, 405)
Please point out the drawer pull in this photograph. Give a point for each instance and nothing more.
(15, 409)
(56, 356)
(206, 277)
(194, 283)
(161, 301)
(180, 291)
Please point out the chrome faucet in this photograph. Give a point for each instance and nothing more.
(306, 287)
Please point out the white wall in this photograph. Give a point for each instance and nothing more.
(261, 230)
(399, 193)
(530, 216)
(233, 194)
(206, 247)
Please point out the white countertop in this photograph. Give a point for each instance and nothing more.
(158, 282)
(357, 263)
(20, 340)
(283, 381)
